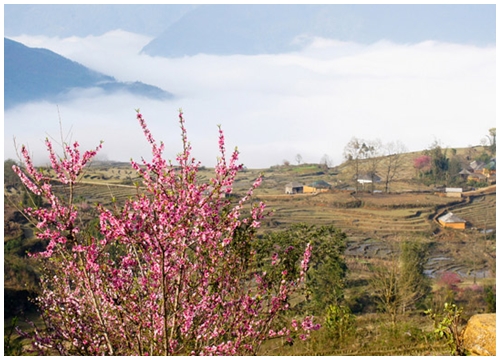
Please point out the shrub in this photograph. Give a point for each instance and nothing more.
(340, 322)
(491, 299)
(170, 272)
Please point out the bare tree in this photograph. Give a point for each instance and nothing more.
(384, 284)
(298, 158)
(491, 140)
(373, 153)
(354, 152)
(325, 161)
(393, 161)
(399, 283)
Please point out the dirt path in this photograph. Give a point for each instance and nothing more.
(482, 191)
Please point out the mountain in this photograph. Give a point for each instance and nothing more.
(185, 30)
(271, 29)
(32, 74)
(233, 29)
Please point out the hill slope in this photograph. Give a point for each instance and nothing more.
(32, 74)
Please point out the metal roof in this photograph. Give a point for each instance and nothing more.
(450, 218)
(294, 184)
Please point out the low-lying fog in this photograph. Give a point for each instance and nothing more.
(272, 107)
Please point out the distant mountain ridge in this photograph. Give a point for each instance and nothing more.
(34, 74)
(230, 29)
(234, 29)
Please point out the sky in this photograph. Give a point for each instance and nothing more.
(272, 107)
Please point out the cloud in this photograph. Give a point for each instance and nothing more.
(275, 106)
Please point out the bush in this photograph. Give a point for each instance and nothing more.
(171, 272)
(340, 322)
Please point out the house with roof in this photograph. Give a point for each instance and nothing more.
(294, 188)
(449, 220)
(477, 177)
(453, 192)
(464, 174)
(476, 166)
(317, 186)
(369, 178)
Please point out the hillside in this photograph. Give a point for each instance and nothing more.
(375, 225)
(33, 74)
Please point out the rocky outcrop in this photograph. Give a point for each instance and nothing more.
(479, 337)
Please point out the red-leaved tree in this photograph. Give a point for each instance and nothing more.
(170, 272)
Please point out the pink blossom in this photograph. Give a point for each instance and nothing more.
(162, 277)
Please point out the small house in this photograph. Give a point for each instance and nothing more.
(368, 178)
(294, 188)
(477, 177)
(317, 186)
(477, 166)
(454, 192)
(449, 220)
(464, 174)
(321, 185)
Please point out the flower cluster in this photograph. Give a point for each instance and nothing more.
(171, 271)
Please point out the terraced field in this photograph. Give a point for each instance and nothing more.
(374, 223)
(359, 214)
(480, 213)
(102, 193)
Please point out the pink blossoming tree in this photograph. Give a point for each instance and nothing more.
(171, 272)
(422, 163)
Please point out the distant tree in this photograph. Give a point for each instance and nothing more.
(491, 140)
(354, 152)
(298, 159)
(286, 162)
(454, 168)
(422, 163)
(413, 284)
(483, 157)
(400, 282)
(394, 162)
(445, 291)
(384, 284)
(325, 161)
(449, 280)
(440, 162)
(373, 154)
